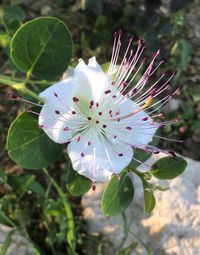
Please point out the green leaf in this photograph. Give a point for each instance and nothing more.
(77, 184)
(37, 188)
(140, 155)
(28, 145)
(25, 183)
(186, 54)
(105, 66)
(42, 47)
(71, 238)
(4, 219)
(169, 168)
(14, 13)
(4, 39)
(149, 200)
(117, 195)
(128, 250)
(7, 242)
(3, 176)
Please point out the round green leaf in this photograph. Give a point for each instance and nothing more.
(77, 184)
(14, 12)
(149, 201)
(169, 168)
(105, 66)
(28, 145)
(117, 195)
(42, 47)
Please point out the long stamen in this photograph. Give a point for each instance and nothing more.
(116, 53)
(123, 60)
(15, 97)
(113, 51)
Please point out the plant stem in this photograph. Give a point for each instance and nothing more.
(15, 79)
(141, 176)
(138, 173)
(71, 231)
(7, 220)
(19, 86)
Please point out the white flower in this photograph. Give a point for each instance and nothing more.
(101, 115)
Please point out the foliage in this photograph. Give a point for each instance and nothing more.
(41, 45)
(117, 195)
(28, 146)
(43, 201)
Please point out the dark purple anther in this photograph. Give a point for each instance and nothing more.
(154, 166)
(93, 187)
(107, 92)
(13, 96)
(173, 154)
(75, 99)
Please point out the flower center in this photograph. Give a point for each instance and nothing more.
(98, 115)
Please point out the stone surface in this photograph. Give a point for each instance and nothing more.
(173, 228)
(18, 244)
(193, 32)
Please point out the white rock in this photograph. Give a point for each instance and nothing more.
(174, 225)
(18, 244)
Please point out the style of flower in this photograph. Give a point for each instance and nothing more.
(103, 116)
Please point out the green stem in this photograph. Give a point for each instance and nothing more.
(148, 249)
(141, 176)
(126, 230)
(127, 227)
(6, 80)
(31, 93)
(71, 231)
(6, 27)
(138, 173)
(19, 86)
(15, 79)
(7, 220)
(7, 242)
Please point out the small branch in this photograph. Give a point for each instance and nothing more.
(71, 230)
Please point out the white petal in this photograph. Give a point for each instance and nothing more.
(63, 89)
(94, 64)
(142, 137)
(141, 133)
(58, 99)
(91, 83)
(99, 160)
